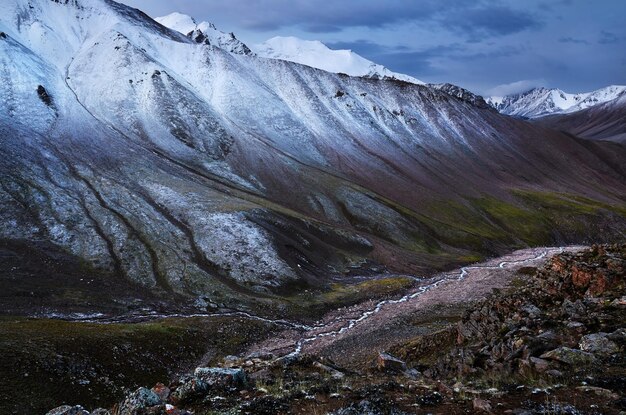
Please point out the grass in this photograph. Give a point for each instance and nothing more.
(527, 218)
(339, 295)
(47, 363)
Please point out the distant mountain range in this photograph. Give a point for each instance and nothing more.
(597, 115)
(539, 102)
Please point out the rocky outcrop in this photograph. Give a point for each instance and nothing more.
(567, 318)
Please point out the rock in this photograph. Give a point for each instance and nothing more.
(68, 410)
(100, 411)
(539, 365)
(555, 374)
(598, 343)
(221, 377)
(618, 336)
(573, 308)
(139, 401)
(388, 363)
(429, 399)
(334, 373)
(162, 391)
(481, 405)
(191, 388)
(532, 310)
(570, 356)
(605, 393)
(261, 355)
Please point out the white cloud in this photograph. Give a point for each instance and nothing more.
(515, 87)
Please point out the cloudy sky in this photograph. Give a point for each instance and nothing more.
(492, 47)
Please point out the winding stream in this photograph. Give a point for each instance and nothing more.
(323, 328)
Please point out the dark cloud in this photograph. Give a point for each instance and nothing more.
(608, 38)
(456, 15)
(570, 39)
(366, 47)
(490, 21)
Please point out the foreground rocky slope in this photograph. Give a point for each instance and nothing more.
(205, 175)
(553, 342)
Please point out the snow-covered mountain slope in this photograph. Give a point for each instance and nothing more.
(203, 32)
(317, 55)
(195, 171)
(605, 121)
(539, 102)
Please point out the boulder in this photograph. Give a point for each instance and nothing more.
(599, 344)
(189, 389)
(162, 391)
(141, 401)
(604, 393)
(570, 356)
(540, 365)
(334, 373)
(68, 410)
(222, 377)
(388, 363)
(481, 405)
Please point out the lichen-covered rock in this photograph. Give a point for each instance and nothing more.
(599, 344)
(68, 410)
(142, 401)
(570, 356)
(190, 388)
(222, 377)
(162, 391)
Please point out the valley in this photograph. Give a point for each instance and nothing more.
(259, 228)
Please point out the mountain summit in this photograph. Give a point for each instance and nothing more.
(316, 54)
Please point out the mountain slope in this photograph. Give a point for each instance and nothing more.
(539, 102)
(606, 121)
(316, 54)
(201, 173)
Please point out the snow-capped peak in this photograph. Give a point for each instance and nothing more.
(316, 54)
(539, 102)
(179, 22)
(203, 32)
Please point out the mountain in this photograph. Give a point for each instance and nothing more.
(317, 55)
(605, 121)
(203, 32)
(539, 102)
(461, 93)
(209, 176)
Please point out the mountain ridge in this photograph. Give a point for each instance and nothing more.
(226, 178)
(540, 102)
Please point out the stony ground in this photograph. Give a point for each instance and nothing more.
(551, 342)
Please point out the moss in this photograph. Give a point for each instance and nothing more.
(345, 294)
